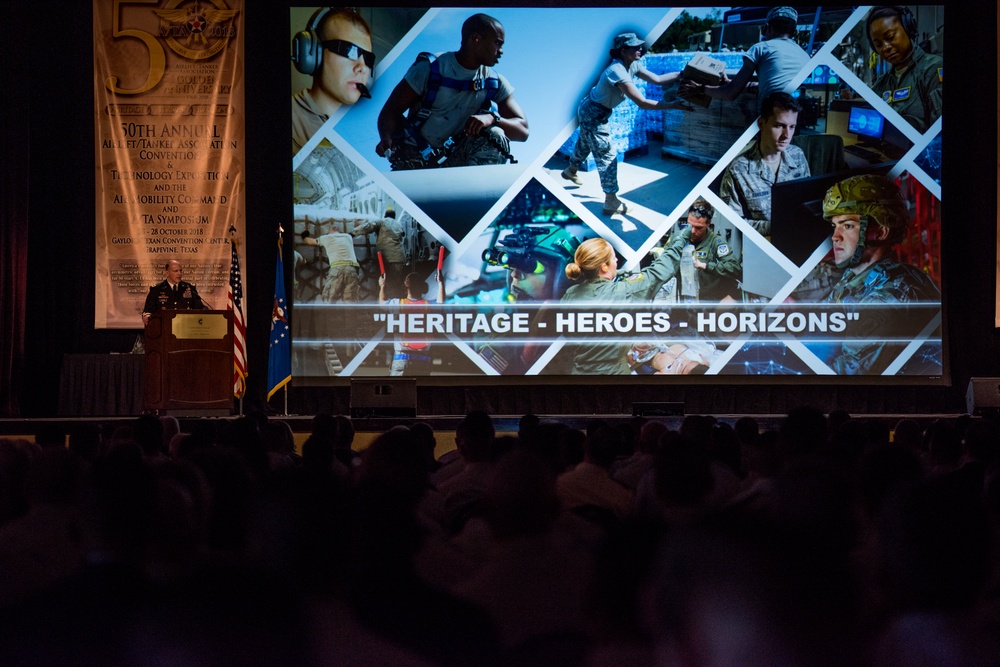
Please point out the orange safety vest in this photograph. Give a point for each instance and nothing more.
(420, 345)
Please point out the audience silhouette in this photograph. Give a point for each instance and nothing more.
(828, 540)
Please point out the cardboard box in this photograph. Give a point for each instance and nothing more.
(706, 70)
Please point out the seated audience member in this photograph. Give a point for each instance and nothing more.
(589, 488)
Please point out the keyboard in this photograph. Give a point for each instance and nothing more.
(864, 153)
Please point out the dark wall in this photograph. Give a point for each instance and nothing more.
(58, 73)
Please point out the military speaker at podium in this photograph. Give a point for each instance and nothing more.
(172, 294)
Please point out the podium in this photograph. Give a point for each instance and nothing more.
(189, 363)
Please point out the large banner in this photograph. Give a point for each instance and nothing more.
(642, 191)
(169, 148)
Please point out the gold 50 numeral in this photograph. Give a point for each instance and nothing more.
(157, 58)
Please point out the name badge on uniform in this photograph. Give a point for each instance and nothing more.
(701, 254)
(901, 94)
(722, 250)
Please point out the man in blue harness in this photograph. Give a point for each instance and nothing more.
(453, 110)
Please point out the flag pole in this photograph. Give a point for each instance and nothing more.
(279, 362)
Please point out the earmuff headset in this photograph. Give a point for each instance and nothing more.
(307, 46)
(906, 20)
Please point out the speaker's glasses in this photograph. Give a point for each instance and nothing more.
(350, 51)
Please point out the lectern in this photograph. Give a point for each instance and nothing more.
(189, 363)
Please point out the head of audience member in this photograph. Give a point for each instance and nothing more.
(50, 434)
(761, 457)
(802, 433)
(520, 495)
(482, 41)
(279, 437)
(683, 474)
(747, 430)
(601, 447)
(724, 448)
(888, 36)
(781, 22)
(148, 433)
(649, 437)
(570, 447)
(981, 443)
(908, 434)
(883, 471)
(545, 440)
(423, 437)
(944, 445)
(86, 440)
(345, 67)
(393, 465)
(344, 442)
(697, 429)
(779, 117)
(526, 427)
(474, 437)
(171, 427)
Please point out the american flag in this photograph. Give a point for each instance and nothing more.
(235, 304)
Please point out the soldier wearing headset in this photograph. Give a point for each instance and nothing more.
(912, 86)
(336, 49)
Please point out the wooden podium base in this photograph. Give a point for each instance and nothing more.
(189, 363)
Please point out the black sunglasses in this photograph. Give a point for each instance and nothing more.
(349, 50)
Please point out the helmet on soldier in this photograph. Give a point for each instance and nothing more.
(874, 199)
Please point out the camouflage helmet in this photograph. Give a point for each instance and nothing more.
(873, 198)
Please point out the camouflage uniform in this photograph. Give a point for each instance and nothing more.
(612, 358)
(595, 130)
(342, 283)
(723, 268)
(916, 93)
(747, 181)
(449, 112)
(886, 281)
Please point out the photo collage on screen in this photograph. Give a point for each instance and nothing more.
(658, 191)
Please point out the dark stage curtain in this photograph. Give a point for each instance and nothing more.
(14, 142)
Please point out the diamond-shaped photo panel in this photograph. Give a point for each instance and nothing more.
(897, 53)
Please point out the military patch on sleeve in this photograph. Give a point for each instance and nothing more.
(636, 278)
(940, 75)
(723, 249)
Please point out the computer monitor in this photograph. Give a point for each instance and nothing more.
(866, 122)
